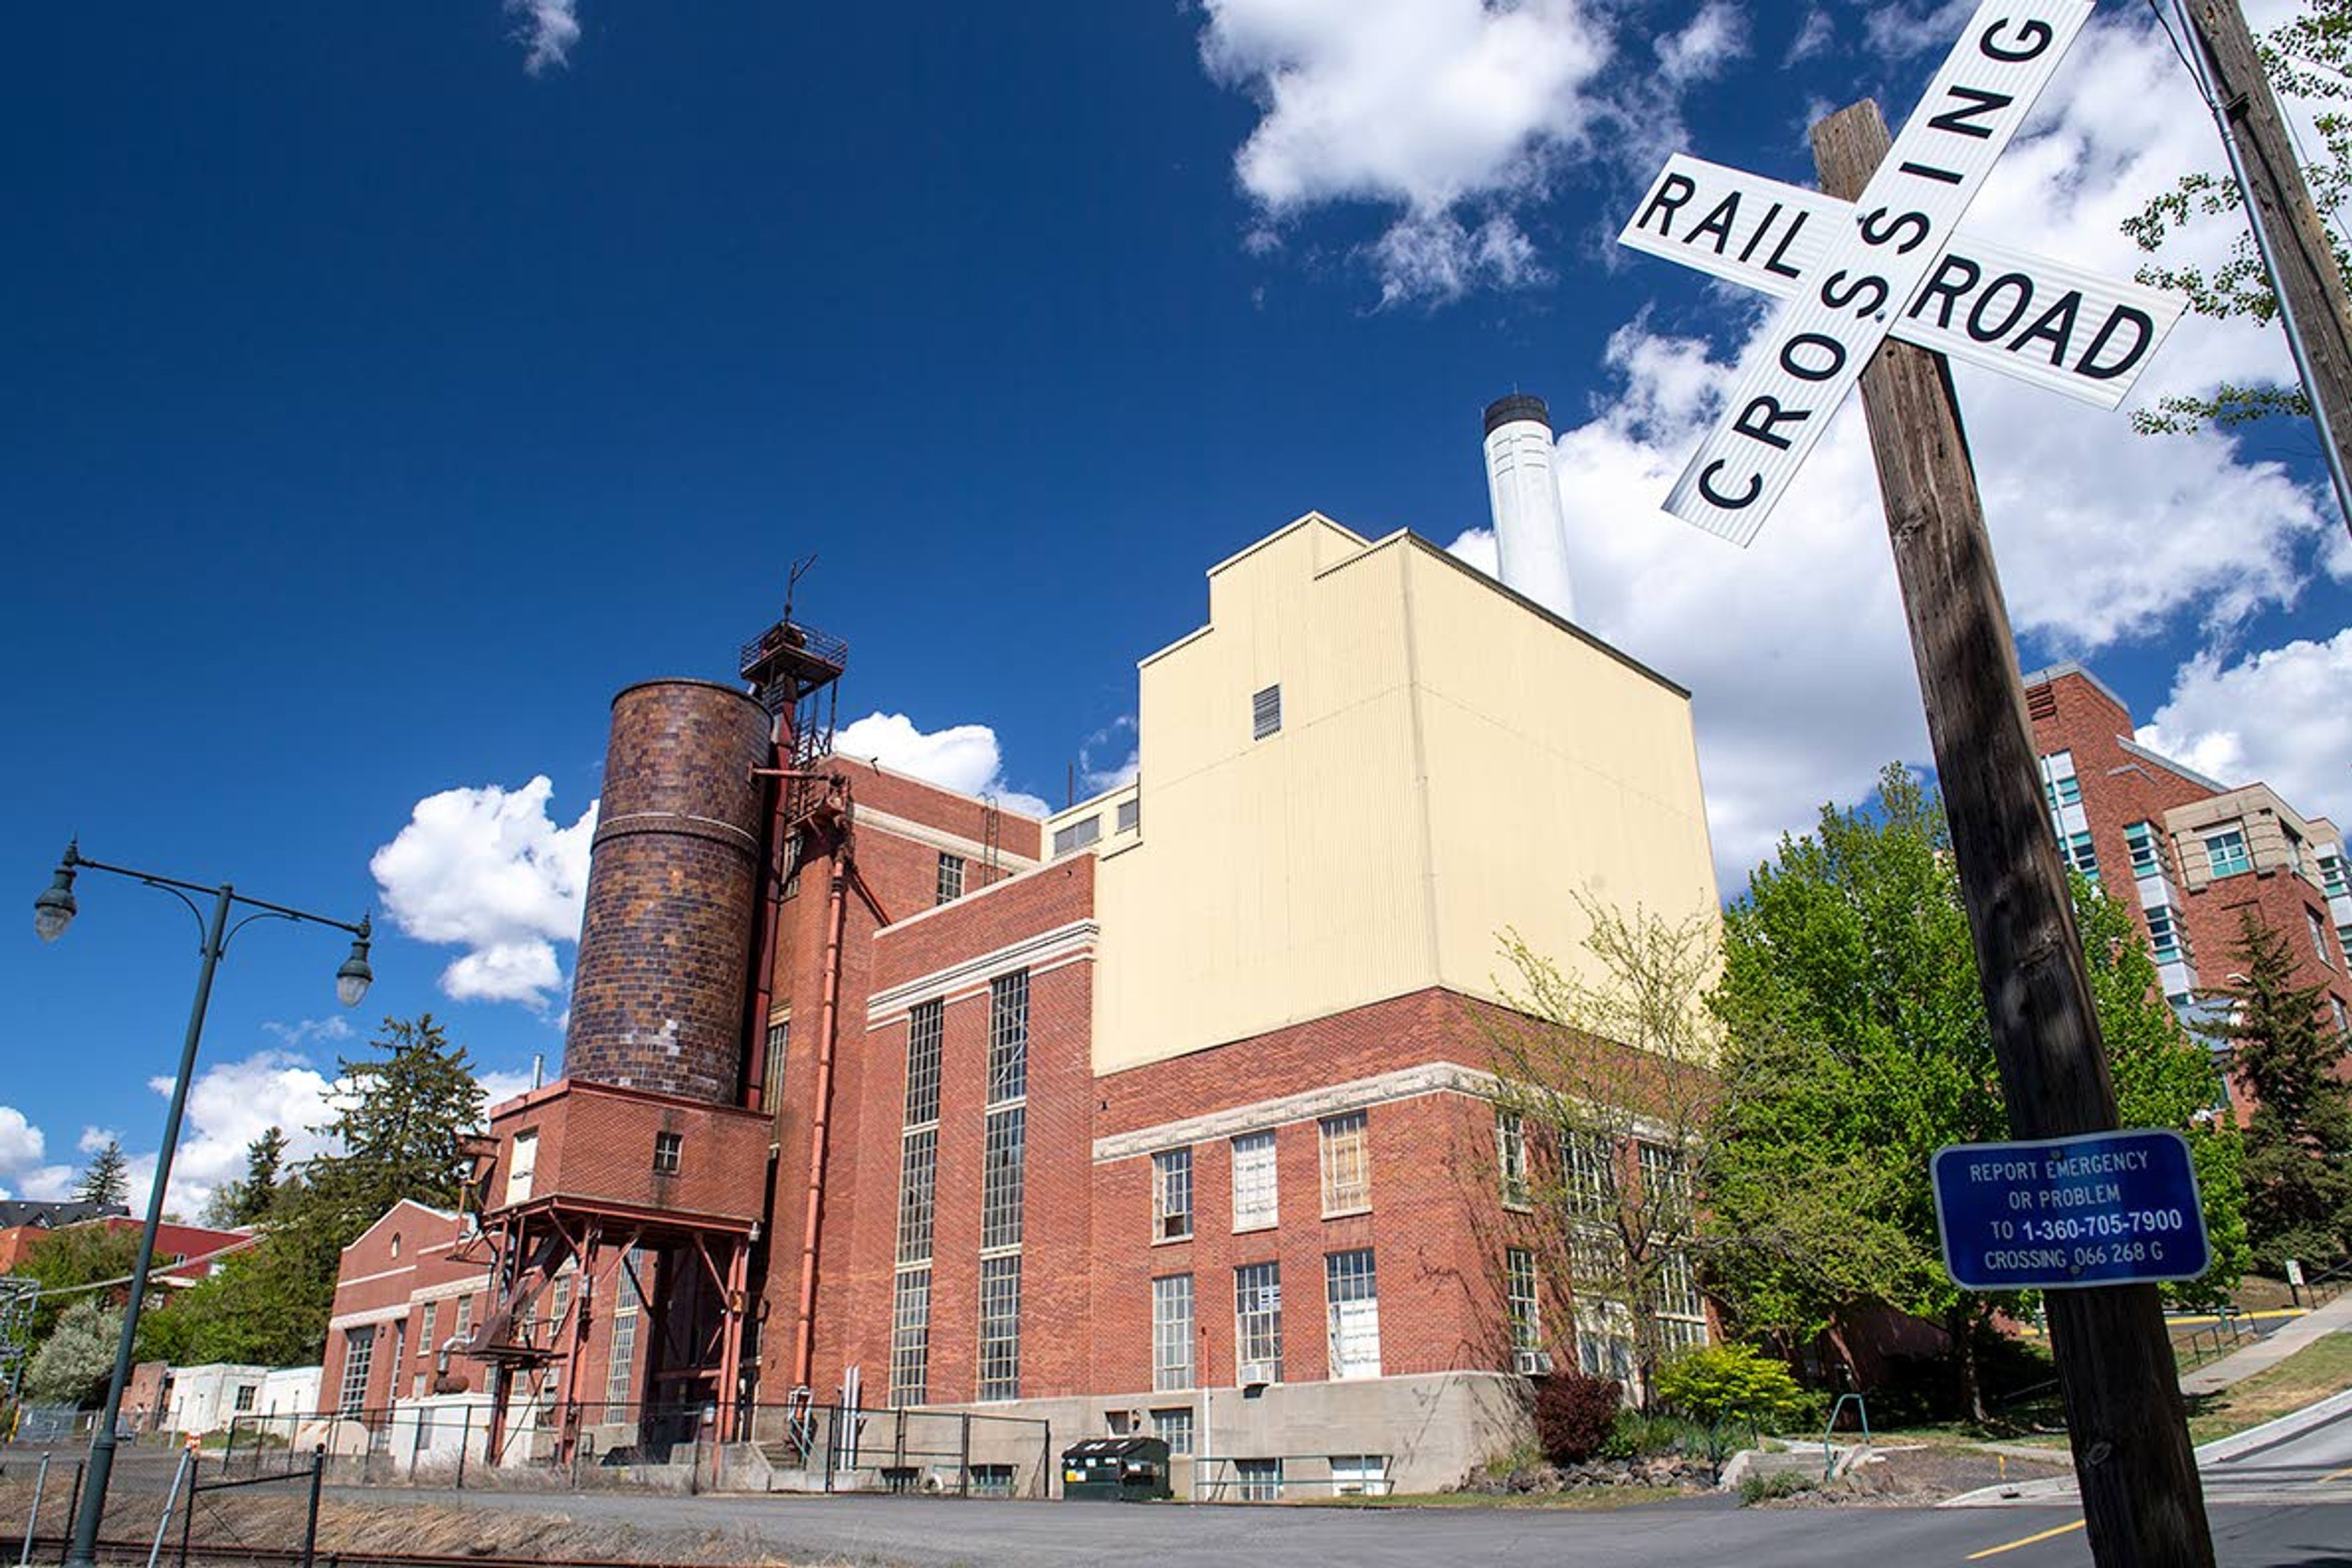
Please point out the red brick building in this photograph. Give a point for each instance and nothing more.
(1163, 1112)
(2190, 854)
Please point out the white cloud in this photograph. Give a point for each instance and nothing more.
(23, 1151)
(230, 1104)
(546, 29)
(1097, 769)
(1814, 35)
(303, 1030)
(487, 870)
(94, 1138)
(2278, 717)
(962, 757)
(1448, 110)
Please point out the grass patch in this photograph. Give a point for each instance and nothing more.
(1581, 1497)
(2319, 1369)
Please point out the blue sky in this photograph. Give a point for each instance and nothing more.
(386, 386)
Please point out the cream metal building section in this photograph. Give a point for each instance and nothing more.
(1370, 761)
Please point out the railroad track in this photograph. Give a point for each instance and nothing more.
(52, 1548)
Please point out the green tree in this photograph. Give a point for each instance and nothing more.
(2298, 1143)
(1856, 1045)
(1605, 1083)
(108, 1179)
(400, 1115)
(2308, 58)
(245, 1202)
(78, 1254)
(72, 1367)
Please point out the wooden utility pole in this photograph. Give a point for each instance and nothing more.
(2141, 1499)
(2288, 231)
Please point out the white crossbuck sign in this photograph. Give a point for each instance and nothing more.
(1893, 264)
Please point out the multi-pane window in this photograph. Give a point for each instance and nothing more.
(1354, 1295)
(1255, 1197)
(1666, 1183)
(1171, 1194)
(1511, 1155)
(925, 1027)
(2336, 1010)
(1265, 713)
(1173, 1427)
(1681, 1317)
(2164, 933)
(1590, 1177)
(1347, 1163)
(559, 1302)
(668, 1150)
(1526, 1307)
(621, 1364)
(1008, 1037)
(1259, 1480)
(1257, 1322)
(1360, 1475)
(951, 878)
(2059, 782)
(465, 1318)
(2332, 876)
(918, 1160)
(771, 1081)
(999, 1327)
(999, 1182)
(359, 1356)
(2225, 852)
(2079, 853)
(1130, 816)
(1077, 835)
(425, 1345)
(910, 1338)
(1604, 1340)
(918, 1163)
(2147, 859)
(2319, 936)
(794, 852)
(1171, 1332)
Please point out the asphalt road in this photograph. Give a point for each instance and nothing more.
(2312, 1464)
(938, 1532)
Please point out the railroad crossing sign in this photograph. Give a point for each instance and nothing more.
(1893, 264)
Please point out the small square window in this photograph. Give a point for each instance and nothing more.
(667, 1146)
(2225, 852)
(1130, 815)
(951, 878)
(1265, 713)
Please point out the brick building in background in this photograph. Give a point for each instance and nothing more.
(1166, 1112)
(2190, 854)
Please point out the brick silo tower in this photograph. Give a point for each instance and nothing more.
(639, 1172)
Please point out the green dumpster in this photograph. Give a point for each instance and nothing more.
(1116, 1470)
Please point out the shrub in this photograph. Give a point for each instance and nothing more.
(1716, 1383)
(1575, 1413)
(1638, 1434)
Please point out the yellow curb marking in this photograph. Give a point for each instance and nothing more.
(2028, 1541)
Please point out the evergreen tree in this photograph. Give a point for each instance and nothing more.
(245, 1202)
(2298, 1164)
(108, 1179)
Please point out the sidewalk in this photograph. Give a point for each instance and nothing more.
(2239, 1366)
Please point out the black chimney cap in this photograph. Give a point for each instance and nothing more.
(1519, 405)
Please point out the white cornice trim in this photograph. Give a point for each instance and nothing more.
(1309, 1105)
(937, 838)
(1048, 949)
(450, 1289)
(373, 1316)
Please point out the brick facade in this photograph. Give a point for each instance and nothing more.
(2122, 783)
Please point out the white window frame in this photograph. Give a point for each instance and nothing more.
(1258, 1323)
(1000, 1328)
(1511, 1157)
(1171, 1178)
(1173, 1427)
(1523, 1303)
(1352, 1312)
(2240, 861)
(951, 870)
(910, 1338)
(1360, 1475)
(358, 1367)
(1257, 1182)
(522, 1164)
(1174, 1367)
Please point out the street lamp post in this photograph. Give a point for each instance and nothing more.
(52, 912)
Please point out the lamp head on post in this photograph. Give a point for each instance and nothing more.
(54, 910)
(351, 981)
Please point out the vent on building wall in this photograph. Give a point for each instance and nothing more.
(1265, 713)
(2041, 703)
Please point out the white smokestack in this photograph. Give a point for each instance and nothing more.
(1531, 535)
